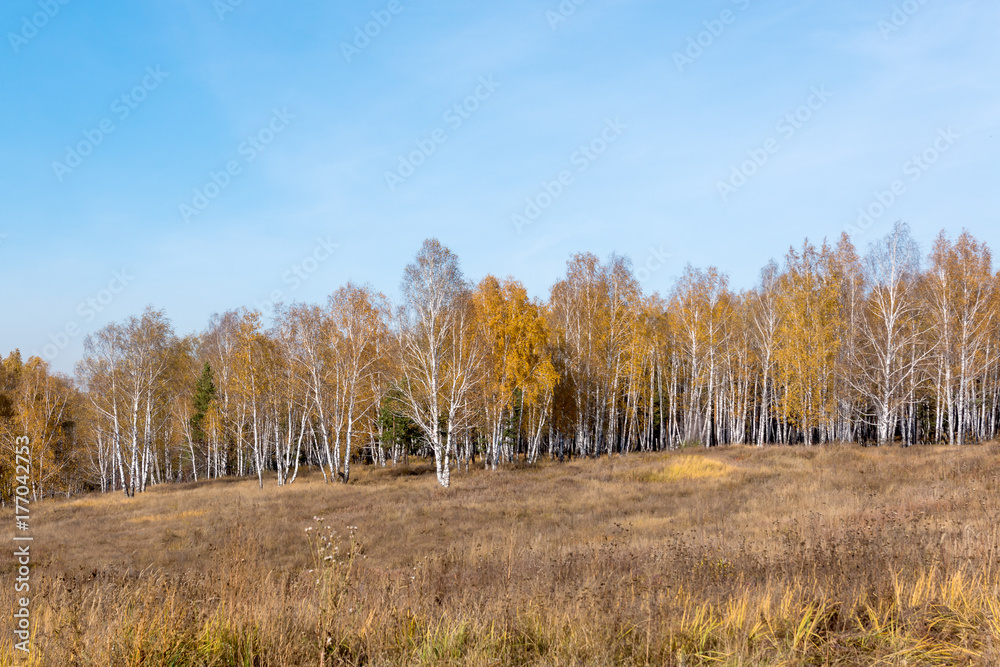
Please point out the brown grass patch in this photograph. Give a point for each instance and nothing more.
(742, 556)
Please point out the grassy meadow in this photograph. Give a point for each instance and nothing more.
(836, 555)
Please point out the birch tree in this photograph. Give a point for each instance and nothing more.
(883, 374)
(438, 365)
(963, 308)
(518, 375)
(809, 333)
(359, 322)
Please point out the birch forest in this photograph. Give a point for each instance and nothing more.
(889, 345)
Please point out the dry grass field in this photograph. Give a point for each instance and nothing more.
(737, 556)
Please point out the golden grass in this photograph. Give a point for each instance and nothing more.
(176, 516)
(681, 467)
(735, 556)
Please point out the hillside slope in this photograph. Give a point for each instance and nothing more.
(825, 555)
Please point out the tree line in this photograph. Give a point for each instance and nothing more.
(829, 346)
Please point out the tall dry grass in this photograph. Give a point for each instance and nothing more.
(782, 556)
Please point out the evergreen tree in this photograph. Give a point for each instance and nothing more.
(204, 394)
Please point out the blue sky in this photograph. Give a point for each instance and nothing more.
(616, 97)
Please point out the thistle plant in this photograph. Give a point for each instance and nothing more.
(332, 567)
